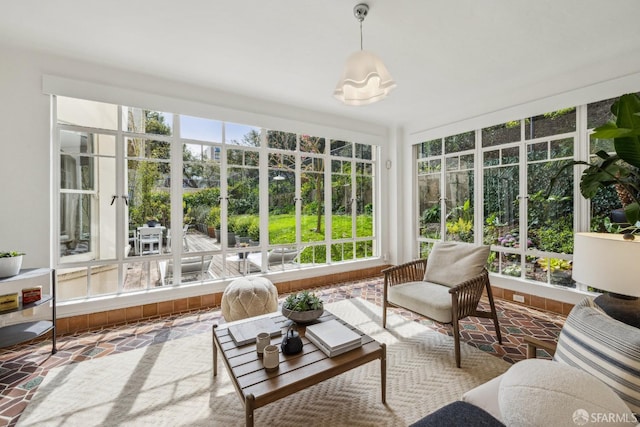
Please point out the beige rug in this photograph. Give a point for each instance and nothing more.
(171, 384)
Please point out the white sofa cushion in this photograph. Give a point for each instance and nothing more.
(451, 263)
(429, 299)
(537, 392)
(605, 348)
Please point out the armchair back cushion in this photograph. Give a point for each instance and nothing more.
(604, 347)
(451, 263)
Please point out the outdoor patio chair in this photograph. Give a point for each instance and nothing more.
(277, 256)
(185, 243)
(196, 267)
(149, 240)
(446, 289)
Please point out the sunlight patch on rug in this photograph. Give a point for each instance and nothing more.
(171, 384)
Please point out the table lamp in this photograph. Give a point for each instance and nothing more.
(611, 263)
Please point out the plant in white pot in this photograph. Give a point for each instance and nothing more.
(10, 263)
(303, 307)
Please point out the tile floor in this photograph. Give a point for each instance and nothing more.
(23, 367)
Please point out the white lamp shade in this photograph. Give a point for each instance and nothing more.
(607, 262)
(365, 80)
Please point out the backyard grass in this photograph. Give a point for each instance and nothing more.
(282, 228)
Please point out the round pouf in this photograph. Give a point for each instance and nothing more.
(248, 297)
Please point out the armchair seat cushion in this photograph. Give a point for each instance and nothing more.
(428, 299)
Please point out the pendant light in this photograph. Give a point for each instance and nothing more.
(365, 79)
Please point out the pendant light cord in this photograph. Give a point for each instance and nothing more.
(361, 34)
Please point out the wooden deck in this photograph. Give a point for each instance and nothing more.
(145, 271)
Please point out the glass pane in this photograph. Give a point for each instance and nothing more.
(430, 148)
(282, 205)
(78, 223)
(599, 113)
(364, 249)
(139, 120)
(510, 155)
(550, 217)
(553, 123)
(605, 145)
(313, 255)
(80, 112)
(537, 151)
(77, 167)
(364, 152)
(364, 201)
(243, 207)
(460, 142)
(606, 201)
(501, 134)
(459, 202)
(562, 148)
(491, 158)
(312, 144)
(341, 148)
(341, 186)
(312, 194)
(429, 205)
(342, 251)
(200, 129)
(281, 140)
(235, 134)
(200, 197)
(501, 207)
(148, 182)
(77, 283)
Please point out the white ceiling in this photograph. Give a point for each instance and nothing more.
(452, 60)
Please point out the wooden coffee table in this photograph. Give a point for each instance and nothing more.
(257, 387)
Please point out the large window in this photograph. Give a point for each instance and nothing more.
(527, 191)
(149, 199)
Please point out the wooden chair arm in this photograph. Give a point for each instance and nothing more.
(533, 344)
(409, 272)
(466, 295)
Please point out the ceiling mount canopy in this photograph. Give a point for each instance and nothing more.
(365, 79)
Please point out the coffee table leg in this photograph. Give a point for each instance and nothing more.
(383, 372)
(215, 350)
(249, 403)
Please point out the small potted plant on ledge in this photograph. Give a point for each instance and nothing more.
(303, 307)
(10, 263)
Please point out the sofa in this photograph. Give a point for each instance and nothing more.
(592, 379)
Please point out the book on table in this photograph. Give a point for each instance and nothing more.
(245, 332)
(333, 337)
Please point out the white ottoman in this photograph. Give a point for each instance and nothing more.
(248, 297)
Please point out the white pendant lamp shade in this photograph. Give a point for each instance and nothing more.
(365, 80)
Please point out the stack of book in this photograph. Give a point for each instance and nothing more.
(246, 332)
(333, 338)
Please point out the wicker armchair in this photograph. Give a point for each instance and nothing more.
(408, 286)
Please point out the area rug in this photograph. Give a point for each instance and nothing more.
(171, 384)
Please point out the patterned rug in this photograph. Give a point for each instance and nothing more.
(171, 384)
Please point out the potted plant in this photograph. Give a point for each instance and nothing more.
(10, 263)
(213, 222)
(302, 307)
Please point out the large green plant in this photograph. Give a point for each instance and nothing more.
(620, 170)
